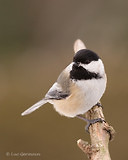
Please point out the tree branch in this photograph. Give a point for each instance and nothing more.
(100, 135)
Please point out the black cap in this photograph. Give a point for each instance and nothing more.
(85, 56)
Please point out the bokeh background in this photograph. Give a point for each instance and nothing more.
(36, 43)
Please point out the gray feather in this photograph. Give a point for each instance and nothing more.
(34, 107)
(60, 89)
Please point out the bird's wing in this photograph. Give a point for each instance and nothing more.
(61, 88)
(56, 93)
(34, 107)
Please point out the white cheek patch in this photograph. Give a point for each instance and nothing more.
(94, 66)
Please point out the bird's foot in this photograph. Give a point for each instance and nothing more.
(90, 121)
(99, 105)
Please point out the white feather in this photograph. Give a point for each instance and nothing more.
(85, 94)
(94, 66)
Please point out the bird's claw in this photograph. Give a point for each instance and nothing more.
(92, 121)
(99, 105)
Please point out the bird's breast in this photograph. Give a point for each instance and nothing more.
(84, 95)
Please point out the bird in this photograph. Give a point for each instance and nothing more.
(79, 86)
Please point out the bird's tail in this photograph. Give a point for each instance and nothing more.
(34, 107)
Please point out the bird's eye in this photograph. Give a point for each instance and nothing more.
(87, 61)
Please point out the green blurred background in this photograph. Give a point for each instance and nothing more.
(36, 43)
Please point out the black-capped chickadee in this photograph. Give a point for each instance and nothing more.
(79, 87)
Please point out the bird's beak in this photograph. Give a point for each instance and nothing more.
(76, 64)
